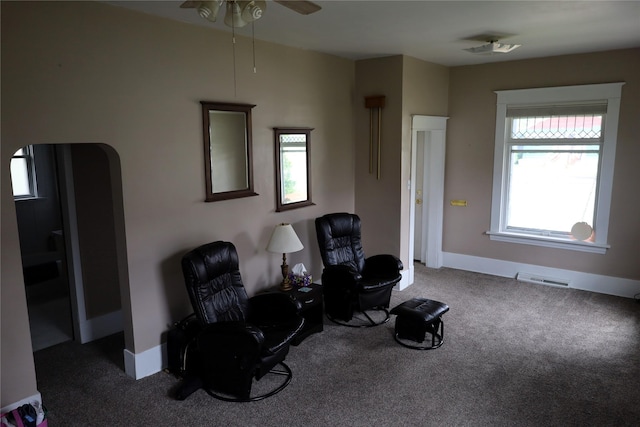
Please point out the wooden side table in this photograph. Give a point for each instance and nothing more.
(312, 309)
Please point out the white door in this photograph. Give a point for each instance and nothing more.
(427, 195)
(418, 191)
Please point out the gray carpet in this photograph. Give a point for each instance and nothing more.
(515, 354)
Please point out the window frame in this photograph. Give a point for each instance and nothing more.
(279, 133)
(28, 155)
(609, 93)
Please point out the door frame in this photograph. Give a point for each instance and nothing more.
(433, 187)
(85, 329)
(70, 235)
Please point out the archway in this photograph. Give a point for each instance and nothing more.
(92, 233)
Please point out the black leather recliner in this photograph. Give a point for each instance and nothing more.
(351, 282)
(238, 338)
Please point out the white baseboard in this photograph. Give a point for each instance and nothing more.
(577, 280)
(101, 326)
(36, 397)
(149, 362)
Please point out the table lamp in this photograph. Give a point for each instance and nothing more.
(284, 240)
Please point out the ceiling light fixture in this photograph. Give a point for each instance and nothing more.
(238, 12)
(241, 12)
(493, 47)
(209, 9)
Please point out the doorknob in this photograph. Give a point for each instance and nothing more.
(418, 201)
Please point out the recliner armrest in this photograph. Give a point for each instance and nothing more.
(226, 333)
(272, 307)
(230, 344)
(383, 266)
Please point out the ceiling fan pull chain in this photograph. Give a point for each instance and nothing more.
(233, 39)
(253, 45)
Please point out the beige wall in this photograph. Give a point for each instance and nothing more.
(378, 200)
(96, 229)
(17, 373)
(85, 72)
(425, 92)
(410, 87)
(470, 148)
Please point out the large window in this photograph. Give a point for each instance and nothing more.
(23, 175)
(553, 171)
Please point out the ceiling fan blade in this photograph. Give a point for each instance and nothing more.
(303, 7)
(189, 4)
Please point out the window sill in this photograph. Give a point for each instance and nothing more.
(549, 242)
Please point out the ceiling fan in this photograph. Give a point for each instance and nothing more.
(241, 12)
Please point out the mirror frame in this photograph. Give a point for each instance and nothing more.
(280, 206)
(207, 108)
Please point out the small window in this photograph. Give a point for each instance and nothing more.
(554, 166)
(23, 173)
(293, 157)
(293, 175)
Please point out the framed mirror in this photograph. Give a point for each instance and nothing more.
(293, 175)
(227, 150)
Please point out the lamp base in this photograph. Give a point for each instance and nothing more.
(285, 285)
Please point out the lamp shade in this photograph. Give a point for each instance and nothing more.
(284, 240)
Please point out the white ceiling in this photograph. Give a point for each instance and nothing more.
(435, 31)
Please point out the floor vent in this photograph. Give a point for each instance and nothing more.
(535, 278)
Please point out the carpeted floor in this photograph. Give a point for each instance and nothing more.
(515, 354)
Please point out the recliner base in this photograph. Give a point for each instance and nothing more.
(369, 321)
(437, 339)
(228, 398)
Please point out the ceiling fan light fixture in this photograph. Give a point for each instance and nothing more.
(252, 10)
(493, 47)
(209, 9)
(241, 12)
(233, 17)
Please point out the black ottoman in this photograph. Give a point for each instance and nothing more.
(415, 318)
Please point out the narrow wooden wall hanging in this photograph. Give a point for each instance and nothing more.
(375, 103)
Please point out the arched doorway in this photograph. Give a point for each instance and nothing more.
(89, 248)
